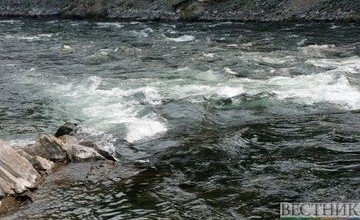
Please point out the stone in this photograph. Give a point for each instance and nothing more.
(77, 152)
(48, 147)
(66, 129)
(102, 152)
(2, 194)
(5, 188)
(16, 173)
(43, 165)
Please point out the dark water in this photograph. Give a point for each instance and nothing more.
(225, 119)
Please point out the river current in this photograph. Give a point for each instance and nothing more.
(226, 120)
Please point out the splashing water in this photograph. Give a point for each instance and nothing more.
(225, 119)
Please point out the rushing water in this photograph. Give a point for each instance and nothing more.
(226, 119)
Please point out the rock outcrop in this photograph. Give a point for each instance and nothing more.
(22, 168)
(255, 10)
(77, 152)
(42, 165)
(48, 147)
(17, 174)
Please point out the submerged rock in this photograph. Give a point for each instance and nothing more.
(66, 129)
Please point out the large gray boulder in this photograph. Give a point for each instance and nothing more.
(65, 149)
(107, 155)
(77, 152)
(42, 165)
(48, 147)
(17, 174)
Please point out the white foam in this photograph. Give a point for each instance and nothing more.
(29, 38)
(228, 91)
(318, 50)
(349, 65)
(331, 86)
(191, 91)
(183, 38)
(230, 71)
(248, 44)
(232, 45)
(301, 42)
(110, 25)
(209, 55)
(66, 48)
(143, 33)
(333, 26)
(221, 23)
(45, 35)
(196, 92)
(52, 22)
(10, 21)
(107, 109)
(274, 60)
(152, 95)
(125, 106)
(323, 87)
(144, 128)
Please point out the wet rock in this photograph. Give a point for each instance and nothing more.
(9, 204)
(102, 152)
(5, 188)
(77, 152)
(66, 129)
(65, 149)
(16, 173)
(48, 147)
(43, 165)
(21, 169)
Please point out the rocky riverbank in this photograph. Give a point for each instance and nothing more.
(240, 10)
(23, 169)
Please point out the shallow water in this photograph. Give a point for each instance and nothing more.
(228, 119)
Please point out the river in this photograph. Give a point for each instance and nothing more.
(226, 119)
